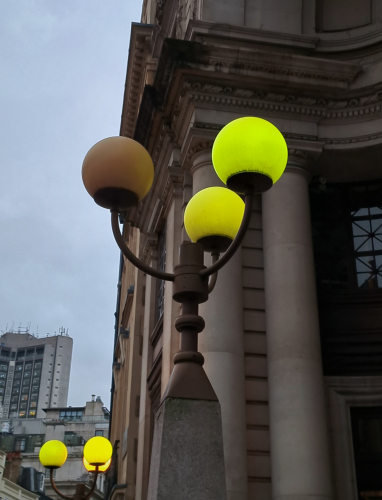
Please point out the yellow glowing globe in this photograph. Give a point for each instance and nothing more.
(98, 450)
(213, 217)
(117, 172)
(92, 468)
(53, 454)
(249, 150)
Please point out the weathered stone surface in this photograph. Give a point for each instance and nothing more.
(187, 460)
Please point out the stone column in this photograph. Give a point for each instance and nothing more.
(222, 345)
(298, 426)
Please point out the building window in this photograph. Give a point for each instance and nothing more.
(3, 368)
(47, 473)
(347, 236)
(20, 443)
(71, 415)
(367, 442)
(98, 433)
(367, 237)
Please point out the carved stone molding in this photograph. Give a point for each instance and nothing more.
(159, 11)
(200, 146)
(149, 248)
(229, 96)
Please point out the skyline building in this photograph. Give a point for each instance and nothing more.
(34, 373)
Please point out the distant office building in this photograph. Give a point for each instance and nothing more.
(34, 373)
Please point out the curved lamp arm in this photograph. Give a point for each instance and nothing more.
(214, 277)
(236, 242)
(130, 256)
(55, 487)
(93, 485)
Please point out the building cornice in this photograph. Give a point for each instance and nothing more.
(199, 31)
(139, 40)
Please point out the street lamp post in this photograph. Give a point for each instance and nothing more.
(249, 155)
(96, 459)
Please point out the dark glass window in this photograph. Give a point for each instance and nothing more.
(3, 375)
(25, 390)
(347, 235)
(367, 237)
(15, 399)
(20, 354)
(2, 383)
(19, 367)
(39, 351)
(3, 368)
(28, 366)
(16, 383)
(98, 433)
(36, 380)
(35, 388)
(37, 365)
(34, 397)
(17, 375)
(367, 442)
(20, 443)
(26, 381)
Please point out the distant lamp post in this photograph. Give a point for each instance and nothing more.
(249, 155)
(97, 458)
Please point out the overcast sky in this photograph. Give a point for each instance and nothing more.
(63, 67)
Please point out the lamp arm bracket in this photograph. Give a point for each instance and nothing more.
(55, 487)
(91, 491)
(130, 256)
(213, 277)
(236, 242)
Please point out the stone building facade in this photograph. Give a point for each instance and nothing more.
(293, 336)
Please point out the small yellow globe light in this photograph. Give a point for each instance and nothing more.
(117, 172)
(98, 450)
(92, 468)
(249, 154)
(53, 454)
(213, 217)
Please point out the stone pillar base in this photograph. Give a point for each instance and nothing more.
(187, 459)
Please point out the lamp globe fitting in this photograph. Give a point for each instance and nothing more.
(98, 450)
(249, 155)
(117, 172)
(213, 217)
(53, 454)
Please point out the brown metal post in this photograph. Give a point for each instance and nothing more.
(79, 493)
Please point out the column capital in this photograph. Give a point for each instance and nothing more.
(302, 154)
